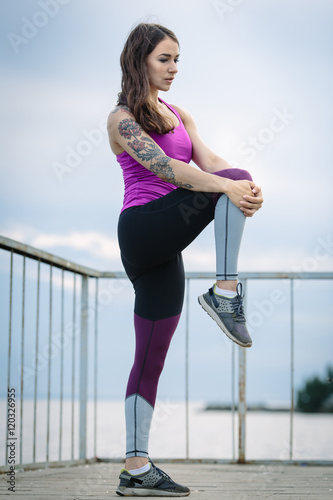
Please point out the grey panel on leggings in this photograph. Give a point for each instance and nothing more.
(138, 413)
(229, 224)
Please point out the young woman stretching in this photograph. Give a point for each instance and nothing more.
(167, 204)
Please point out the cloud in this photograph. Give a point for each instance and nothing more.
(95, 244)
(317, 257)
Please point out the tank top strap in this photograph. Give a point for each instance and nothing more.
(173, 110)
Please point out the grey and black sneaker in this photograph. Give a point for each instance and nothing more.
(154, 483)
(228, 314)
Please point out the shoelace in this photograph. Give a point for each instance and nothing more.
(164, 474)
(237, 304)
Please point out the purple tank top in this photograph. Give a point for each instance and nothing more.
(142, 185)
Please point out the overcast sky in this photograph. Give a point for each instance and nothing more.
(256, 75)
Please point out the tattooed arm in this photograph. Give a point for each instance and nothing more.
(125, 134)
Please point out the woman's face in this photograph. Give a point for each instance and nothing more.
(162, 64)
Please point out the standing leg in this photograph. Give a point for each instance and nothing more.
(155, 321)
(154, 328)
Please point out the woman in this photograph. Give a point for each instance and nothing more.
(167, 204)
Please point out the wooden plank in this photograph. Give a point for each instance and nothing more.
(207, 482)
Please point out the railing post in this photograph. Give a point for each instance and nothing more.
(49, 372)
(233, 400)
(95, 369)
(242, 401)
(292, 369)
(242, 405)
(83, 369)
(9, 338)
(73, 364)
(187, 367)
(36, 365)
(22, 364)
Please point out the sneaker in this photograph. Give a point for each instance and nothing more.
(228, 314)
(154, 483)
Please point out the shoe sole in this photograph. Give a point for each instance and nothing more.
(207, 307)
(147, 492)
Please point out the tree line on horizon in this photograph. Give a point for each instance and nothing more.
(316, 395)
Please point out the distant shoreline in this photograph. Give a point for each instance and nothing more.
(258, 407)
(226, 407)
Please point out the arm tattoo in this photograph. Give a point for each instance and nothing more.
(147, 150)
(123, 108)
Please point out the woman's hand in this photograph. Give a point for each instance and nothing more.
(251, 203)
(245, 195)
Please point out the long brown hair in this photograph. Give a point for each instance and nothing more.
(134, 84)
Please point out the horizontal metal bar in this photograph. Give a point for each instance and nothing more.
(320, 463)
(286, 275)
(260, 275)
(265, 275)
(73, 463)
(45, 257)
(113, 274)
(49, 465)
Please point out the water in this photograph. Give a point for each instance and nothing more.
(210, 432)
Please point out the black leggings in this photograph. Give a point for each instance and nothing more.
(151, 239)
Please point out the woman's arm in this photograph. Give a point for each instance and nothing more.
(202, 155)
(129, 136)
(208, 161)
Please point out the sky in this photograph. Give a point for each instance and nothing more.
(257, 78)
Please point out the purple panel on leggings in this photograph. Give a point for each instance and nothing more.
(152, 343)
(236, 174)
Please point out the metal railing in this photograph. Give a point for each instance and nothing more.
(77, 271)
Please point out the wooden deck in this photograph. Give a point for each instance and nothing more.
(207, 482)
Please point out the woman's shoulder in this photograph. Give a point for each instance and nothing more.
(117, 114)
(185, 116)
(183, 113)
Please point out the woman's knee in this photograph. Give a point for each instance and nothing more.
(236, 174)
(243, 174)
